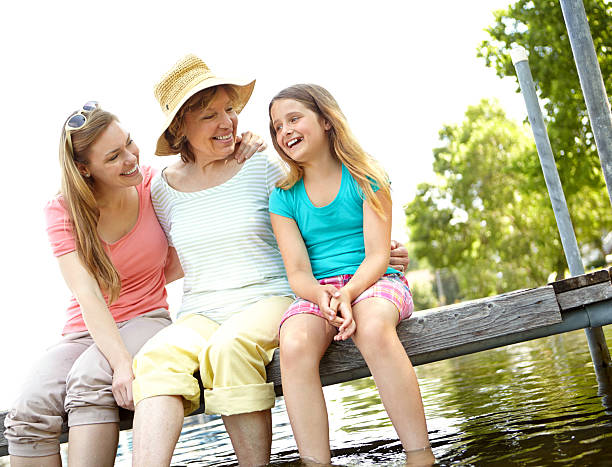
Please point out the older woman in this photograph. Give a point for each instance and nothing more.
(214, 211)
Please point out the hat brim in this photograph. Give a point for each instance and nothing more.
(244, 88)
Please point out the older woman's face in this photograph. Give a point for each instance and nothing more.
(211, 132)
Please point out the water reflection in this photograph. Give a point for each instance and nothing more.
(533, 403)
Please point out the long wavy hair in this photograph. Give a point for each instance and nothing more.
(78, 195)
(174, 134)
(342, 143)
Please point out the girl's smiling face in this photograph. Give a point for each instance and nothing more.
(300, 132)
(211, 132)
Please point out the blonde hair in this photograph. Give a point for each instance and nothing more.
(342, 143)
(82, 207)
(174, 133)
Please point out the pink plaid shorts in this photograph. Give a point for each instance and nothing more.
(392, 287)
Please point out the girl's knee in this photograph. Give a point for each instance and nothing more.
(377, 323)
(302, 349)
(375, 331)
(294, 345)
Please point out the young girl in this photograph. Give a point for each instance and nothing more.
(332, 220)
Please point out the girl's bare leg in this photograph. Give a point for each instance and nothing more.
(377, 340)
(303, 341)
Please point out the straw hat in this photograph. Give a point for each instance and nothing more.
(187, 77)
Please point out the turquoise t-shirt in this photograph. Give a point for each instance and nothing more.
(333, 234)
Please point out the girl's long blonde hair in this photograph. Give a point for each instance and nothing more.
(78, 196)
(342, 143)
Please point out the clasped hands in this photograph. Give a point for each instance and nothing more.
(335, 304)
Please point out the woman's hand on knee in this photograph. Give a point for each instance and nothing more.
(122, 386)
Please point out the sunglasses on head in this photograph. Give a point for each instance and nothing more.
(79, 119)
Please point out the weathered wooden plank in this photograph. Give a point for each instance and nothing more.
(585, 295)
(448, 327)
(584, 280)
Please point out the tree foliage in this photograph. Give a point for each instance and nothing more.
(487, 220)
(538, 25)
(423, 296)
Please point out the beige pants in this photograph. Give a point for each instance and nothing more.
(231, 358)
(72, 379)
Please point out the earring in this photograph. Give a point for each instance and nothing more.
(86, 175)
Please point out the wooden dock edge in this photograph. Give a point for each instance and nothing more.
(453, 330)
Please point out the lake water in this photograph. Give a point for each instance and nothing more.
(535, 403)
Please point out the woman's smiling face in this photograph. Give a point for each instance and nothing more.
(112, 159)
(211, 132)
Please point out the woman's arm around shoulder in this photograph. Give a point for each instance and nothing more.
(247, 144)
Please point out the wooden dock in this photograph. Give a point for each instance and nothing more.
(463, 328)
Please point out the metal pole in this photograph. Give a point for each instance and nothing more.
(591, 82)
(595, 337)
(551, 176)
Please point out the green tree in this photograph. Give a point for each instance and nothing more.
(538, 26)
(487, 220)
(423, 296)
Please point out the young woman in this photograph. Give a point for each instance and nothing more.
(332, 219)
(115, 259)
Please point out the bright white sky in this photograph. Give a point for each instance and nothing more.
(399, 69)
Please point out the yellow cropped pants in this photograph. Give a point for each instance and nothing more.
(231, 358)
